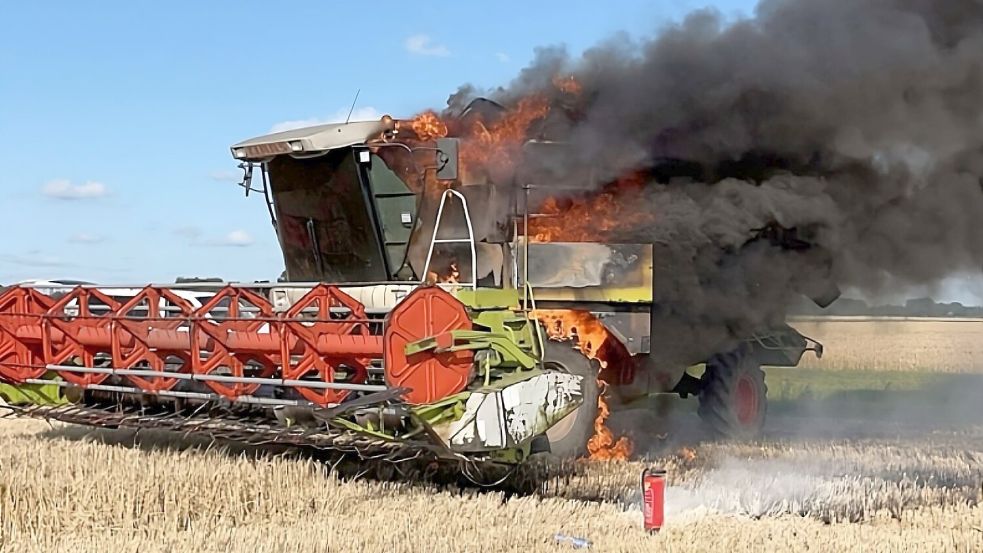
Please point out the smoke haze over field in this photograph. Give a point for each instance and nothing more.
(859, 121)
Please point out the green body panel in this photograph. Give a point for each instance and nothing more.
(395, 206)
(525, 333)
(489, 298)
(446, 410)
(514, 455)
(505, 353)
(33, 394)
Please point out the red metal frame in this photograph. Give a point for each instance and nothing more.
(217, 323)
(324, 338)
(133, 341)
(78, 338)
(300, 349)
(21, 307)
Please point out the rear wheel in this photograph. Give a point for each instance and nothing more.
(733, 395)
(568, 438)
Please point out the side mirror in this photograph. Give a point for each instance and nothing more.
(447, 158)
(247, 176)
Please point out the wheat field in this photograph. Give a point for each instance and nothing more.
(65, 488)
(923, 345)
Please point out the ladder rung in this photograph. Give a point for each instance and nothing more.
(452, 241)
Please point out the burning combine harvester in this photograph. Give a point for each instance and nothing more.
(454, 289)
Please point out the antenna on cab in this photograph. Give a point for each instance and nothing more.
(347, 119)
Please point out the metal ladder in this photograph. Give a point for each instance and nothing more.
(469, 240)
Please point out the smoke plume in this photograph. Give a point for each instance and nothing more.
(859, 123)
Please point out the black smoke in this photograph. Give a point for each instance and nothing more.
(857, 122)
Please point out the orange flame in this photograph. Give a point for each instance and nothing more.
(595, 217)
(564, 324)
(602, 446)
(591, 335)
(428, 126)
(485, 145)
(499, 143)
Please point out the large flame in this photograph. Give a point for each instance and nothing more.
(491, 146)
(489, 149)
(591, 337)
(597, 216)
(602, 446)
(566, 324)
(428, 126)
(496, 144)
(487, 146)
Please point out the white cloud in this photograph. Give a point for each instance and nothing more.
(195, 237)
(64, 189)
(237, 238)
(366, 113)
(423, 45)
(225, 176)
(85, 238)
(502, 57)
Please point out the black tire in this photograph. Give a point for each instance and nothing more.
(733, 395)
(568, 438)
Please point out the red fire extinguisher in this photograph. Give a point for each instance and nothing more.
(653, 498)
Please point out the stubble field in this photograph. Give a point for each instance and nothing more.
(832, 474)
(916, 345)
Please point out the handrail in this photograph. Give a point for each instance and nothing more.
(469, 240)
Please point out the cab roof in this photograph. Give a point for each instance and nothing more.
(309, 140)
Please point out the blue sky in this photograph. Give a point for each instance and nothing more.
(115, 120)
